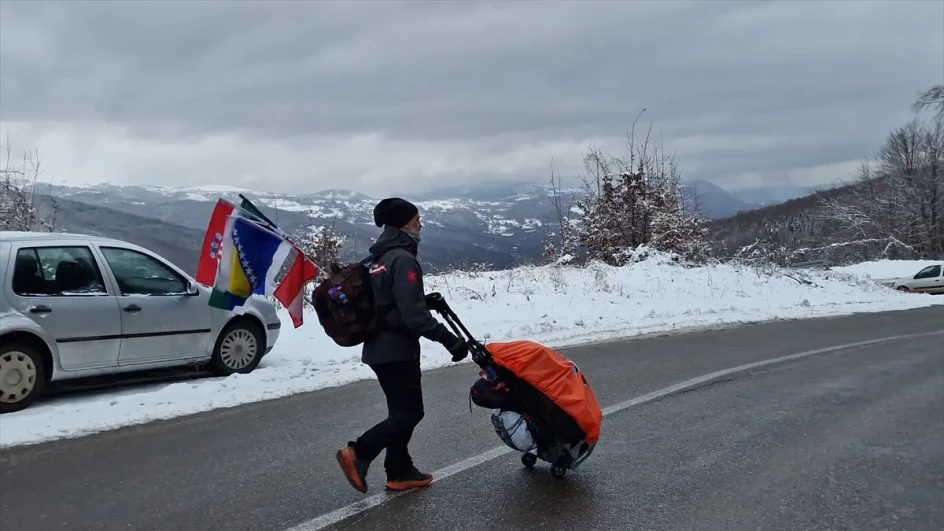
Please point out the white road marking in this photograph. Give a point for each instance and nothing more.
(376, 500)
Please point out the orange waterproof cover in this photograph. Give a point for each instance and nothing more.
(556, 377)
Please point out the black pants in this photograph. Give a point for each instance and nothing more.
(400, 382)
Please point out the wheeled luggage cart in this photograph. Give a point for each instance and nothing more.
(565, 438)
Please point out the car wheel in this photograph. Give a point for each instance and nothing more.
(903, 288)
(239, 348)
(22, 376)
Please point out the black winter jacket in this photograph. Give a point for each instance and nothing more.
(397, 282)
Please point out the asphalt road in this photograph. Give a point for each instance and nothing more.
(848, 439)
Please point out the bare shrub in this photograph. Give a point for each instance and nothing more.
(19, 208)
(323, 245)
(634, 200)
(555, 274)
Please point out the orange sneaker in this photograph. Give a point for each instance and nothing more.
(411, 480)
(354, 469)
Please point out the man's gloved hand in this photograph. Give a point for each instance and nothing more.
(456, 346)
(459, 351)
(435, 302)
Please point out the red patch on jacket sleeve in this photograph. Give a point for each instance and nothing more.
(411, 276)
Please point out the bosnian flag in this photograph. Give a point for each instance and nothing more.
(256, 260)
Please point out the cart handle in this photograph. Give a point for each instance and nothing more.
(480, 354)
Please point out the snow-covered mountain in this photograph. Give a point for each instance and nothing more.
(498, 224)
(522, 208)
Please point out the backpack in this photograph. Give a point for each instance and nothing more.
(344, 302)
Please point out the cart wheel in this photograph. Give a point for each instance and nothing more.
(529, 459)
(558, 471)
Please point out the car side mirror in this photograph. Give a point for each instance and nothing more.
(192, 289)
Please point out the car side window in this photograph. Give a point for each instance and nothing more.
(929, 272)
(140, 274)
(57, 272)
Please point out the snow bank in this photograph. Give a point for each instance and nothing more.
(886, 269)
(555, 305)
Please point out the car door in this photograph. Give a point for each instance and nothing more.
(928, 280)
(60, 286)
(934, 283)
(160, 320)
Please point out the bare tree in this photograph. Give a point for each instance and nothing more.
(933, 187)
(561, 240)
(911, 159)
(900, 197)
(859, 214)
(932, 96)
(19, 209)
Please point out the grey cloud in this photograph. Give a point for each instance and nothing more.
(290, 69)
(827, 81)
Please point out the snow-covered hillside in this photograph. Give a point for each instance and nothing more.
(555, 305)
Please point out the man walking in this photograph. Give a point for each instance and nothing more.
(394, 353)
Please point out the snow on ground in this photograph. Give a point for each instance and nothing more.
(887, 269)
(555, 305)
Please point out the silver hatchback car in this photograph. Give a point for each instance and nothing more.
(76, 306)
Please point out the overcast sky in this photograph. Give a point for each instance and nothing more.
(377, 96)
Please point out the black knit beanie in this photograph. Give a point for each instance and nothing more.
(394, 211)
